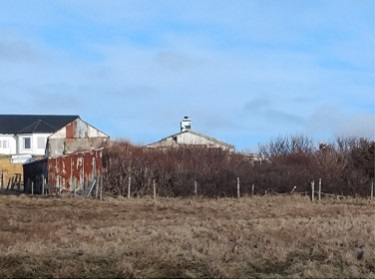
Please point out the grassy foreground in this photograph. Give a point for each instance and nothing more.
(266, 237)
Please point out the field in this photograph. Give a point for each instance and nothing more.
(260, 237)
(9, 168)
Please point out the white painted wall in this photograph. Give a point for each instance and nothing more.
(8, 144)
(81, 130)
(37, 143)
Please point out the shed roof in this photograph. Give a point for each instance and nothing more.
(211, 139)
(22, 124)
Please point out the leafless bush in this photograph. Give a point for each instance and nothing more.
(345, 166)
(173, 170)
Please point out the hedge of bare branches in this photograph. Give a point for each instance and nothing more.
(345, 166)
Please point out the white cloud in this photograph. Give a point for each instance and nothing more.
(255, 66)
(359, 125)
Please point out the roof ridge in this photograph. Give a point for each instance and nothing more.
(196, 133)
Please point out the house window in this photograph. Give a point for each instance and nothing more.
(41, 143)
(5, 144)
(27, 143)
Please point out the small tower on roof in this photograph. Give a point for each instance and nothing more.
(185, 124)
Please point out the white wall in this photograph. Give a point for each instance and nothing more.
(80, 129)
(37, 143)
(8, 145)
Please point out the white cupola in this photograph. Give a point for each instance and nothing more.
(185, 124)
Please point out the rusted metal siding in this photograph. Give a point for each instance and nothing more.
(70, 130)
(74, 171)
(77, 129)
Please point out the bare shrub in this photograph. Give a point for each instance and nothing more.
(345, 166)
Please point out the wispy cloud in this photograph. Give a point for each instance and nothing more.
(15, 49)
(254, 69)
(263, 109)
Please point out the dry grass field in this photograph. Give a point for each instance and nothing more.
(260, 237)
(9, 168)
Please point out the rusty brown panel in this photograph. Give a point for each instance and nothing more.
(68, 170)
(52, 179)
(77, 167)
(88, 166)
(70, 129)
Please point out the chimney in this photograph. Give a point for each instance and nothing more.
(185, 124)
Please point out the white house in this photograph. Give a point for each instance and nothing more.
(28, 134)
(188, 137)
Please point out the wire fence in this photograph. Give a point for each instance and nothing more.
(236, 189)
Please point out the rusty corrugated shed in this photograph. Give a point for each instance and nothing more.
(68, 172)
(75, 170)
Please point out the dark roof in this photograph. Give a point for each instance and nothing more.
(21, 124)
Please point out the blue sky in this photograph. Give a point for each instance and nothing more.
(245, 71)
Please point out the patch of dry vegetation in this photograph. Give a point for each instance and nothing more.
(280, 236)
(9, 168)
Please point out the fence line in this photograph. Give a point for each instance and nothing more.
(96, 189)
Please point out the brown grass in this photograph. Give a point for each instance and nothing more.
(9, 168)
(267, 237)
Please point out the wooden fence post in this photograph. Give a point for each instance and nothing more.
(252, 189)
(312, 190)
(32, 188)
(97, 187)
(195, 188)
(320, 189)
(238, 187)
(129, 186)
(372, 190)
(101, 188)
(19, 182)
(294, 188)
(42, 184)
(154, 188)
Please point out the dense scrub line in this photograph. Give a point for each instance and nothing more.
(346, 167)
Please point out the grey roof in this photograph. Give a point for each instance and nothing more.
(23, 124)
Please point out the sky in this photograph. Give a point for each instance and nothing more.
(244, 71)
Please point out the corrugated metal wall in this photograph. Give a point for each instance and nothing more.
(69, 172)
(77, 170)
